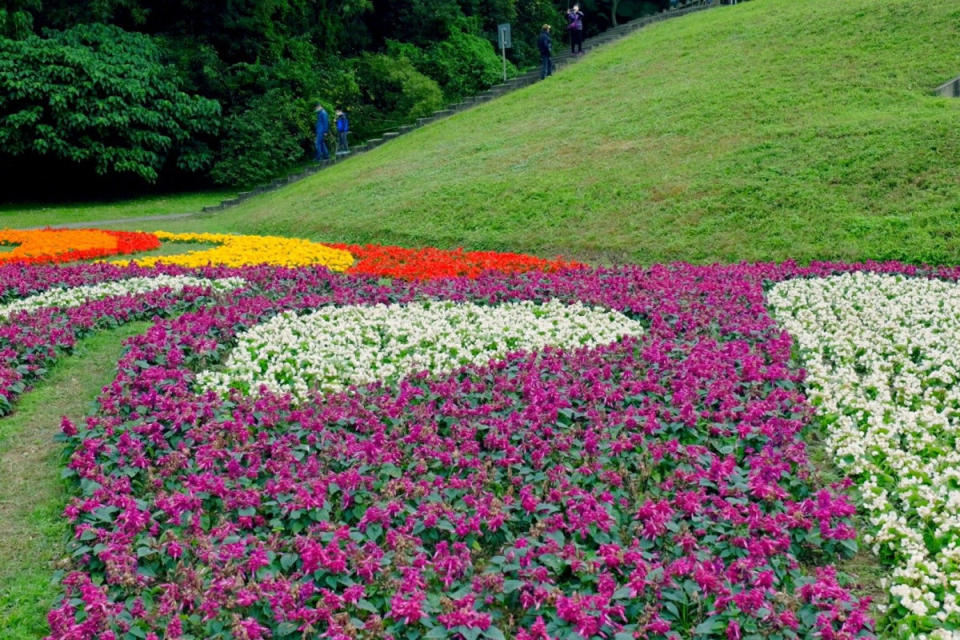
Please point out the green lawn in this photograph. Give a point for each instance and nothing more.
(32, 497)
(37, 215)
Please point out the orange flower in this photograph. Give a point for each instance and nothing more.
(68, 245)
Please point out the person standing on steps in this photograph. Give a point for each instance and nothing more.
(575, 28)
(343, 126)
(545, 45)
(323, 126)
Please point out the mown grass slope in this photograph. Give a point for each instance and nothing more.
(772, 129)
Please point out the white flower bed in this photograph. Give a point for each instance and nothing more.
(882, 355)
(333, 348)
(76, 296)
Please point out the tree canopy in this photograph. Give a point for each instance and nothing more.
(224, 89)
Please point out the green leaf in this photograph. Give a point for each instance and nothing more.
(709, 626)
(494, 633)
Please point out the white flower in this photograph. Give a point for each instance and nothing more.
(335, 347)
(76, 296)
(882, 355)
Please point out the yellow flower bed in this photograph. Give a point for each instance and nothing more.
(237, 251)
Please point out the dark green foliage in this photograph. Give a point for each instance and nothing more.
(463, 64)
(261, 140)
(101, 98)
(395, 90)
(531, 16)
(604, 14)
(16, 19)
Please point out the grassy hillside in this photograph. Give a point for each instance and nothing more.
(772, 129)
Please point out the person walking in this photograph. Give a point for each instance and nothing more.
(545, 45)
(323, 126)
(575, 27)
(343, 127)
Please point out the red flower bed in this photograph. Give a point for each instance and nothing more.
(428, 263)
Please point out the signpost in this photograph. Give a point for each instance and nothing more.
(503, 39)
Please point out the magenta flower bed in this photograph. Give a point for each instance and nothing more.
(33, 340)
(653, 488)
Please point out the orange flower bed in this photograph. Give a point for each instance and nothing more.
(428, 263)
(68, 245)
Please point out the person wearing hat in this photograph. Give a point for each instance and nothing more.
(323, 125)
(575, 27)
(343, 128)
(545, 45)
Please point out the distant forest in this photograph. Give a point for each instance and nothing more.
(173, 94)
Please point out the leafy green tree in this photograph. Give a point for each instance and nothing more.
(395, 90)
(463, 64)
(126, 99)
(262, 139)
(16, 17)
(100, 98)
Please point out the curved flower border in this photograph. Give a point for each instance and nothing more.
(428, 263)
(336, 347)
(881, 359)
(45, 246)
(241, 250)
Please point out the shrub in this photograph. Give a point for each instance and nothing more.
(262, 140)
(395, 89)
(463, 64)
(100, 97)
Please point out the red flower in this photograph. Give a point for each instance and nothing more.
(428, 263)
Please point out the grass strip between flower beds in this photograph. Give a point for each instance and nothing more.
(32, 496)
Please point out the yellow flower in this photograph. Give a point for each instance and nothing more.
(237, 251)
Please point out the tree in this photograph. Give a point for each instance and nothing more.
(16, 17)
(100, 98)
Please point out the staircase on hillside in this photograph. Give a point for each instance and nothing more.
(527, 78)
(949, 89)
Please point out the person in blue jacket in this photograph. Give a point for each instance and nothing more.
(545, 45)
(323, 126)
(343, 127)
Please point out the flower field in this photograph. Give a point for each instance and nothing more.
(502, 448)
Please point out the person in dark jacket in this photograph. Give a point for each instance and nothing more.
(343, 127)
(575, 28)
(323, 126)
(545, 45)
